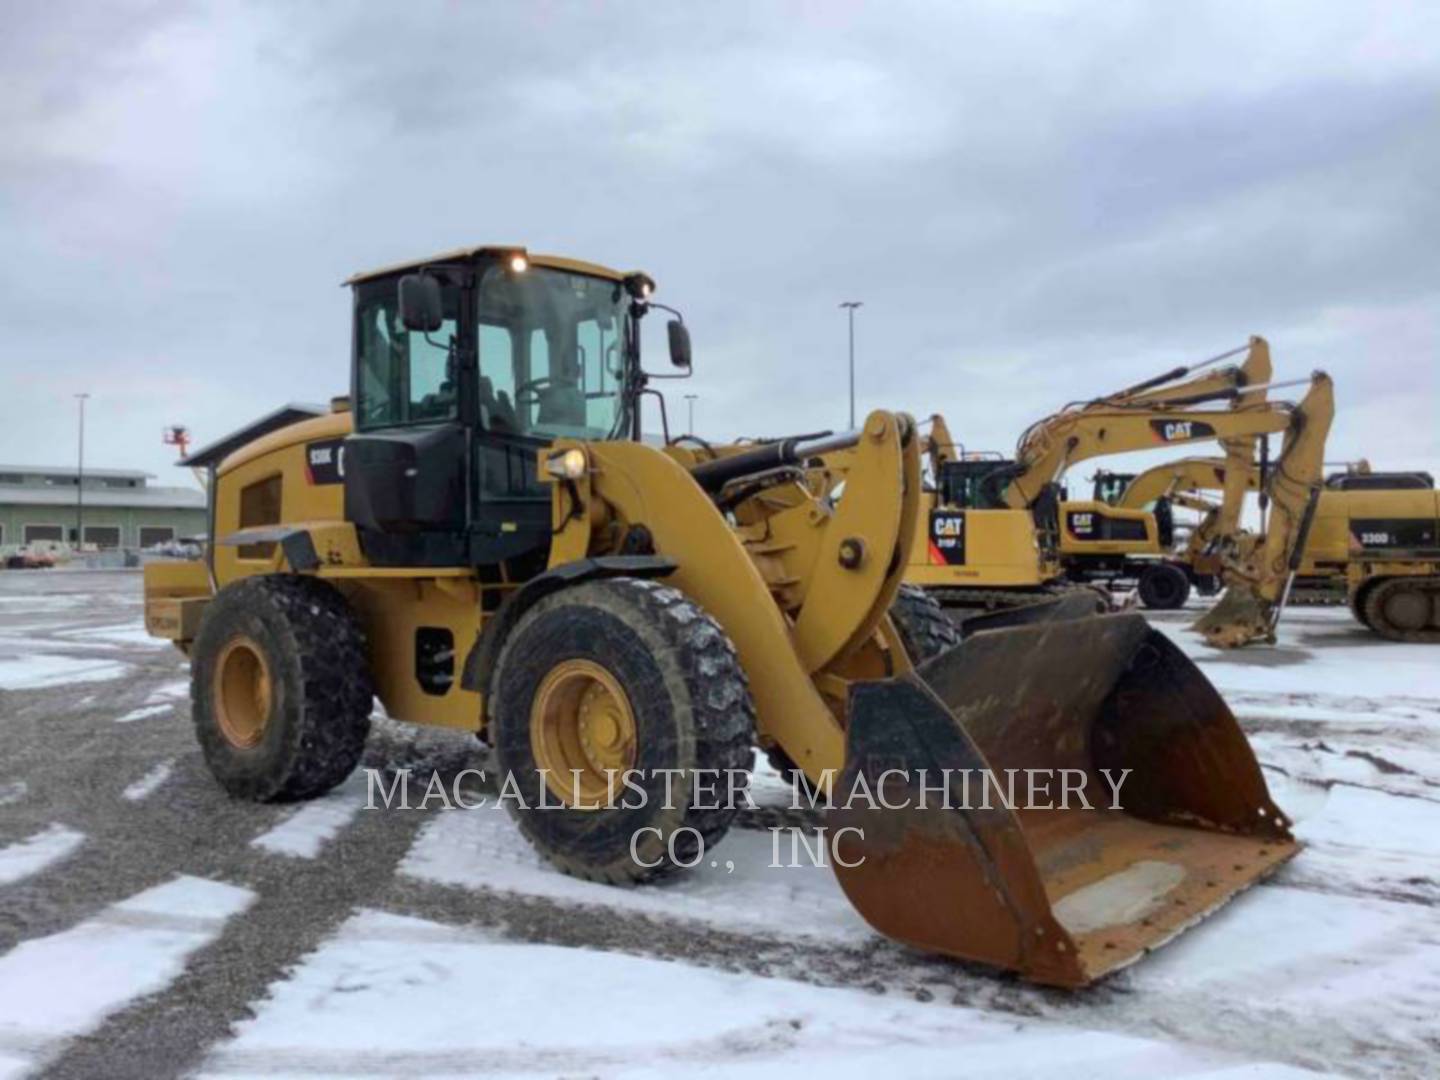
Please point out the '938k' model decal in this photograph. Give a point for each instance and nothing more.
(325, 461)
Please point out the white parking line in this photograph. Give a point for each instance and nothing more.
(311, 827)
(147, 784)
(57, 987)
(143, 712)
(36, 852)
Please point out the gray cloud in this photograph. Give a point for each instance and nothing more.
(1033, 204)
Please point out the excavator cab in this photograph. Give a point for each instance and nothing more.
(1109, 486)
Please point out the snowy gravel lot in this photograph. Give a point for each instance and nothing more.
(151, 927)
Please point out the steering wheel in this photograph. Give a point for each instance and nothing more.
(528, 392)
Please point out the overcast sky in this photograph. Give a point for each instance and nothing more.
(1035, 202)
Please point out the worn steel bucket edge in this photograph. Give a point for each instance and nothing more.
(986, 884)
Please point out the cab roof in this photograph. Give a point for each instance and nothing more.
(557, 262)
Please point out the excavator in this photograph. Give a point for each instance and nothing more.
(994, 529)
(1384, 524)
(1009, 560)
(481, 535)
(1164, 575)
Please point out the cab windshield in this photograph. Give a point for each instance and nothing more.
(552, 347)
(552, 353)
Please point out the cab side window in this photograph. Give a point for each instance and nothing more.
(403, 376)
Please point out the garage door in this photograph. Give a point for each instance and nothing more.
(150, 535)
(52, 533)
(103, 536)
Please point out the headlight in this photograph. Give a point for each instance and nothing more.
(519, 264)
(566, 465)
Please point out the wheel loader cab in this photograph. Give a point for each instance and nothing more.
(462, 370)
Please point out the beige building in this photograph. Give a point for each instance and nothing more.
(40, 506)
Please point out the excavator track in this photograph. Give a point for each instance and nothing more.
(1404, 609)
(1316, 596)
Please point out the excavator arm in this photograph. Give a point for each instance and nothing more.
(1259, 581)
(1046, 449)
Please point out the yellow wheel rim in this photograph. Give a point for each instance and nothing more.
(582, 733)
(242, 693)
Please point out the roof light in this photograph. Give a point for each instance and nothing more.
(519, 263)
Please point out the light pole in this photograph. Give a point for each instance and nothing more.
(80, 478)
(690, 404)
(850, 306)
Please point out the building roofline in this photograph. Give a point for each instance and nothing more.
(72, 470)
(215, 452)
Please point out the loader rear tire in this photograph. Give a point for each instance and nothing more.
(636, 657)
(1164, 587)
(280, 688)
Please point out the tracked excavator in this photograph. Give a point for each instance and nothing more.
(1004, 514)
(480, 536)
(995, 529)
(1383, 524)
(1377, 536)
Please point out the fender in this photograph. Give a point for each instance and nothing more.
(480, 661)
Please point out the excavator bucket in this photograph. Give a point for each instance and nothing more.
(1239, 617)
(1056, 797)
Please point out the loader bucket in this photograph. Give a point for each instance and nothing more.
(1066, 893)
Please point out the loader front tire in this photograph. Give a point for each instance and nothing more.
(924, 627)
(925, 630)
(613, 679)
(280, 688)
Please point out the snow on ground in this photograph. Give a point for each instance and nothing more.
(64, 985)
(147, 784)
(305, 832)
(380, 998)
(35, 853)
(171, 691)
(1322, 654)
(13, 792)
(128, 633)
(735, 886)
(40, 670)
(143, 712)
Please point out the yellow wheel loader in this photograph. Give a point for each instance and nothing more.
(480, 537)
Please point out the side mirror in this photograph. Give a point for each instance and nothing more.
(679, 343)
(420, 303)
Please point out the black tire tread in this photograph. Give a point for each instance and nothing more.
(924, 627)
(699, 664)
(1164, 601)
(318, 629)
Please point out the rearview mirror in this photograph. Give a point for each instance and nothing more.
(679, 343)
(420, 303)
